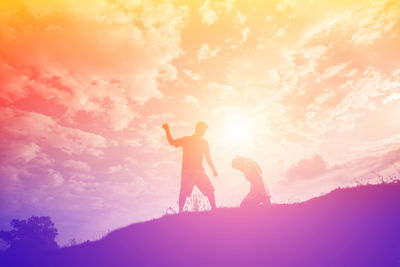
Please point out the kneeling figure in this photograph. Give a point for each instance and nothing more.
(259, 193)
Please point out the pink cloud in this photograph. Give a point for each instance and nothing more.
(77, 165)
(23, 152)
(55, 178)
(96, 72)
(308, 168)
(115, 169)
(391, 159)
(38, 127)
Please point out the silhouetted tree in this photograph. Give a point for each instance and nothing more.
(33, 234)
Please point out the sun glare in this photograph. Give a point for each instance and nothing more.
(237, 132)
(237, 129)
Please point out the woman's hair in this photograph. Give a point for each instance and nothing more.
(240, 163)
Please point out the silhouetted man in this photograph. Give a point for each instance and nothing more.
(195, 147)
(259, 193)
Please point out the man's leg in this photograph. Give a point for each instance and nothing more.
(211, 199)
(182, 200)
(186, 189)
(206, 187)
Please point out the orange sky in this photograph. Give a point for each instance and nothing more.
(309, 89)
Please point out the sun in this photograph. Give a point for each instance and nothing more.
(237, 132)
(237, 129)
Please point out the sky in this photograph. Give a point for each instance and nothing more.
(309, 89)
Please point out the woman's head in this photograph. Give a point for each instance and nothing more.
(239, 163)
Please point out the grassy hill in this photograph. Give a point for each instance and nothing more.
(347, 227)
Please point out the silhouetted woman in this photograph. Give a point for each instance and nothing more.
(259, 193)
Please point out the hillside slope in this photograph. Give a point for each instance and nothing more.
(347, 227)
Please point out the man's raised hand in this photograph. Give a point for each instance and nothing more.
(165, 126)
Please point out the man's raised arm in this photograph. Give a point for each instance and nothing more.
(209, 160)
(171, 141)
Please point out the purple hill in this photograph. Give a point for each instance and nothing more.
(348, 227)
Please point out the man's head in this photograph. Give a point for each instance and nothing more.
(201, 128)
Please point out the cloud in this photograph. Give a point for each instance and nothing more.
(240, 18)
(279, 33)
(390, 159)
(76, 165)
(13, 82)
(121, 114)
(325, 84)
(10, 175)
(307, 168)
(245, 33)
(365, 36)
(208, 16)
(39, 127)
(56, 179)
(334, 70)
(364, 93)
(192, 100)
(283, 5)
(194, 76)
(379, 19)
(115, 169)
(205, 52)
(46, 52)
(82, 176)
(134, 142)
(323, 97)
(392, 97)
(153, 138)
(131, 188)
(222, 91)
(24, 152)
(366, 163)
